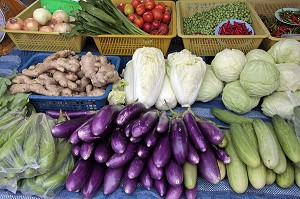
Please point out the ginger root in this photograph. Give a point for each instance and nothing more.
(27, 88)
(94, 91)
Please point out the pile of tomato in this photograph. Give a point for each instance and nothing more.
(152, 17)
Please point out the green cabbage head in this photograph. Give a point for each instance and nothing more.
(286, 51)
(211, 86)
(259, 78)
(259, 54)
(289, 77)
(236, 99)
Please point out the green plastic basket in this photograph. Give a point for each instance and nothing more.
(66, 5)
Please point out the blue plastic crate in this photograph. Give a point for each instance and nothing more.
(43, 103)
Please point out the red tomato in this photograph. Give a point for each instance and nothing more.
(131, 17)
(121, 7)
(157, 14)
(140, 9)
(139, 22)
(147, 27)
(163, 29)
(154, 32)
(168, 9)
(149, 5)
(155, 24)
(166, 18)
(161, 6)
(135, 3)
(148, 17)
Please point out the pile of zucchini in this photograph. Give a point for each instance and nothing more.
(261, 152)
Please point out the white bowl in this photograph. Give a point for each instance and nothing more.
(231, 22)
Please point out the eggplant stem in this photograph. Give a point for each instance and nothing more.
(174, 114)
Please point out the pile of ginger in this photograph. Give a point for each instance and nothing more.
(66, 74)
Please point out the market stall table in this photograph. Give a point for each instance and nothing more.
(206, 190)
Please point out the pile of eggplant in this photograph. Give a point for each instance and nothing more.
(160, 150)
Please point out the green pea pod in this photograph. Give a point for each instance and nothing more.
(47, 150)
(64, 151)
(10, 129)
(28, 186)
(60, 176)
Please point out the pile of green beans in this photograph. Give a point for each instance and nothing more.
(204, 23)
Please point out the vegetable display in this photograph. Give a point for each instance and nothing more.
(66, 74)
(143, 145)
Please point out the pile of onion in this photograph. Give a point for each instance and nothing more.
(42, 20)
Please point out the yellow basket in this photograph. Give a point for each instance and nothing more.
(42, 41)
(210, 45)
(127, 44)
(268, 8)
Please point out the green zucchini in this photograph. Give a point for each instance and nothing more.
(236, 170)
(286, 179)
(229, 117)
(189, 175)
(271, 176)
(281, 167)
(268, 148)
(287, 138)
(297, 175)
(222, 168)
(243, 146)
(257, 176)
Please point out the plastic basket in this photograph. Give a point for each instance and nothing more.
(127, 44)
(210, 45)
(43, 103)
(268, 8)
(42, 41)
(66, 5)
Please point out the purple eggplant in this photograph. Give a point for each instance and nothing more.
(86, 135)
(130, 112)
(162, 151)
(136, 139)
(193, 156)
(76, 149)
(163, 123)
(194, 132)
(120, 159)
(155, 172)
(94, 181)
(74, 138)
(144, 124)
(151, 138)
(174, 173)
(127, 129)
(103, 151)
(86, 150)
(211, 132)
(191, 193)
(161, 186)
(112, 179)
(174, 192)
(145, 179)
(135, 167)
(79, 174)
(221, 154)
(66, 128)
(71, 114)
(142, 150)
(208, 166)
(118, 140)
(179, 140)
(104, 119)
(129, 184)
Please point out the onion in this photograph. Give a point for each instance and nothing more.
(14, 24)
(62, 28)
(41, 15)
(31, 24)
(46, 29)
(61, 16)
